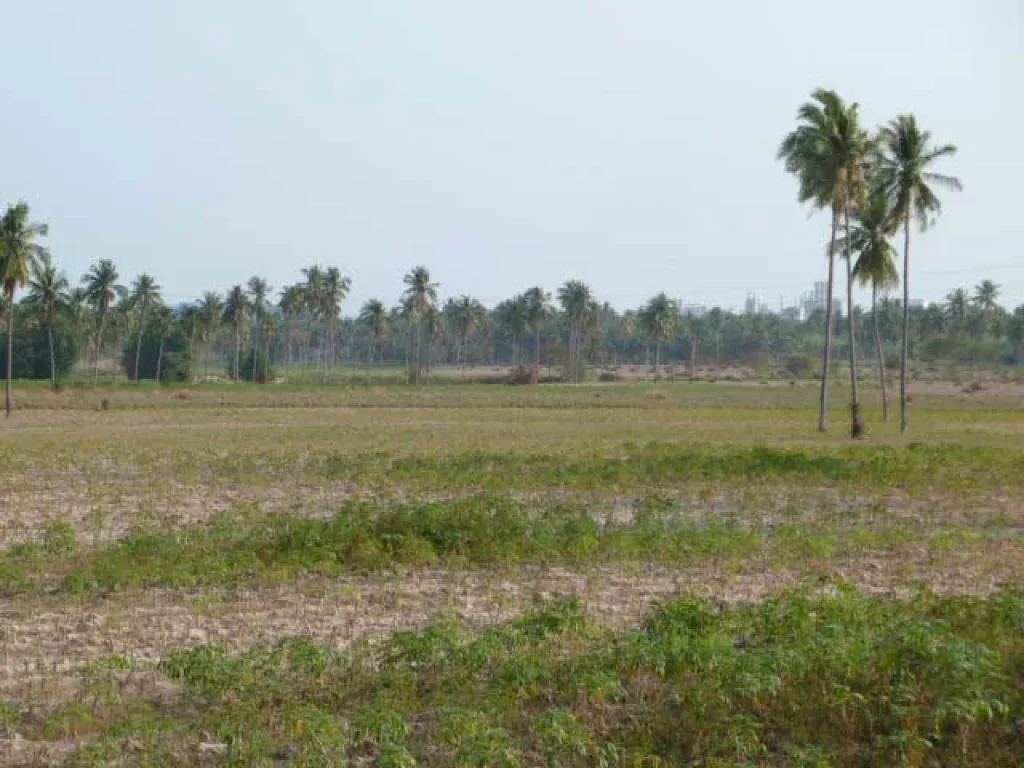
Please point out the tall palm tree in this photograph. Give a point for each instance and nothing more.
(211, 309)
(335, 290)
(374, 315)
(514, 315)
(659, 318)
(828, 152)
(875, 266)
(420, 294)
(19, 252)
(958, 305)
(163, 323)
(49, 292)
(538, 308)
(985, 295)
(290, 305)
(102, 289)
(575, 298)
(905, 157)
(313, 299)
(258, 291)
(465, 316)
(144, 293)
(236, 314)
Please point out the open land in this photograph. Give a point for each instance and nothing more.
(476, 575)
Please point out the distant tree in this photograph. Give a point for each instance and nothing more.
(419, 296)
(144, 294)
(19, 252)
(290, 305)
(374, 316)
(101, 289)
(958, 305)
(236, 314)
(576, 301)
(827, 153)
(514, 316)
(335, 290)
(659, 319)
(538, 309)
(211, 310)
(258, 292)
(49, 293)
(906, 156)
(1015, 332)
(465, 316)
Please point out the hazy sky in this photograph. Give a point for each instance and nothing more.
(502, 144)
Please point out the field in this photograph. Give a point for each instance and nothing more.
(474, 575)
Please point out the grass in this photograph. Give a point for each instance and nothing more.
(310, 575)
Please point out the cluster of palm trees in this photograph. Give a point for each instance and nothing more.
(873, 185)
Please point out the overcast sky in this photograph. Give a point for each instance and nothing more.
(501, 144)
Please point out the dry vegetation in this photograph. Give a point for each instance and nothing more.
(329, 576)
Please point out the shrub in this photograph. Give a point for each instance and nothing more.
(799, 366)
(254, 365)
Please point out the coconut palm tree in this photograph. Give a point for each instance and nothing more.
(374, 315)
(659, 318)
(958, 305)
(236, 313)
(905, 158)
(420, 294)
(144, 294)
(101, 289)
(335, 291)
(19, 252)
(465, 316)
(163, 324)
(576, 300)
(258, 291)
(290, 305)
(313, 300)
(538, 309)
(211, 308)
(514, 315)
(49, 293)
(875, 266)
(828, 152)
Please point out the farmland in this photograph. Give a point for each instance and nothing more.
(620, 574)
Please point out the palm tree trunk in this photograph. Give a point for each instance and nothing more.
(906, 319)
(238, 352)
(159, 358)
(138, 344)
(10, 351)
(537, 345)
(823, 403)
(856, 425)
(99, 348)
(693, 357)
(53, 359)
(879, 351)
(657, 361)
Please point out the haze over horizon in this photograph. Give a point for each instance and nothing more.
(628, 145)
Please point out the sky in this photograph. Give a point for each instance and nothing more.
(501, 144)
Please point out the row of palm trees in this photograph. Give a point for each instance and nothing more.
(883, 182)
